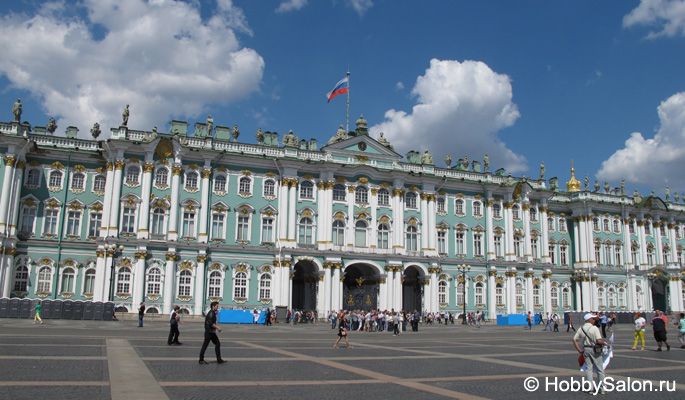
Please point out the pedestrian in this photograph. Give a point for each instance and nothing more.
(37, 316)
(396, 324)
(141, 312)
(570, 323)
(660, 324)
(342, 333)
(529, 319)
(210, 334)
(640, 324)
(591, 341)
(555, 319)
(681, 334)
(603, 321)
(174, 320)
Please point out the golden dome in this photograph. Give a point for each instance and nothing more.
(573, 185)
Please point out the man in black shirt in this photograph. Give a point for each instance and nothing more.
(141, 312)
(210, 335)
(660, 324)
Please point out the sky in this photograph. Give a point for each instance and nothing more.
(596, 84)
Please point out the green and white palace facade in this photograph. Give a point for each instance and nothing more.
(186, 218)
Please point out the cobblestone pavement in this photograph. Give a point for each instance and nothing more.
(99, 360)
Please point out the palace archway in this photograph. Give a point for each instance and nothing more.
(659, 288)
(412, 289)
(304, 286)
(360, 288)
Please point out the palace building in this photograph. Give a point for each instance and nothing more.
(194, 215)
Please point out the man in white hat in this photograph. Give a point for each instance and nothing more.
(590, 335)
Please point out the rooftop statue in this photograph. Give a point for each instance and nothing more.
(587, 182)
(668, 194)
(486, 163)
(596, 185)
(260, 136)
(448, 160)
(426, 158)
(510, 180)
(95, 130)
(465, 163)
(51, 126)
(637, 199)
(676, 197)
(623, 187)
(340, 135)
(124, 116)
(149, 137)
(290, 140)
(16, 110)
(542, 170)
(235, 133)
(607, 188)
(383, 141)
(210, 125)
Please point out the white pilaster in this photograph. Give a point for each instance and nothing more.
(202, 236)
(173, 233)
(144, 212)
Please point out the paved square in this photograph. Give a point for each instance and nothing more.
(118, 360)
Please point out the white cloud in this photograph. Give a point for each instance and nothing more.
(666, 15)
(158, 56)
(399, 86)
(360, 6)
(291, 5)
(460, 108)
(659, 160)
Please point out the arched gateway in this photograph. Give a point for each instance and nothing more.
(412, 289)
(360, 288)
(304, 286)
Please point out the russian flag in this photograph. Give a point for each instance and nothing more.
(340, 88)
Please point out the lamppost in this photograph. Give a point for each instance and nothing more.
(463, 268)
(112, 251)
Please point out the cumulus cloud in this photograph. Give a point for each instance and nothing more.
(667, 15)
(158, 56)
(460, 109)
(360, 6)
(659, 160)
(291, 5)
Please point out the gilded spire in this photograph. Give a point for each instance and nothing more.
(573, 185)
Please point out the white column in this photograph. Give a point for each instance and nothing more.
(7, 272)
(383, 293)
(672, 242)
(547, 284)
(525, 208)
(398, 220)
(288, 283)
(324, 226)
(490, 234)
(202, 236)
(627, 243)
(321, 283)
(492, 288)
(510, 255)
(278, 300)
(434, 306)
(116, 195)
(173, 233)
(530, 304)
(390, 287)
(373, 228)
(350, 235)
(674, 286)
(579, 306)
(7, 189)
(511, 292)
(169, 281)
(592, 293)
(544, 245)
(13, 220)
(144, 212)
(139, 277)
(335, 287)
(327, 288)
(658, 253)
(397, 289)
(292, 212)
(199, 294)
(100, 275)
(425, 219)
(643, 247)
(283, 212)
(432, 229)
(107, 207)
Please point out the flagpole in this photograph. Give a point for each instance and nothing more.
(347, 121)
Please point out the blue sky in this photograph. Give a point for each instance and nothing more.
(600, 83)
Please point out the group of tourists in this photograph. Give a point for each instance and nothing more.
(659, 325)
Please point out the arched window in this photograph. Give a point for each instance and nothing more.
(550, 224)
(605, 223)
(459, 206)
(99, 184)
(441, 204)
(339, 232)
(621, 297)
(499, 295)
(214, 287)
(617, 226)
(269, 188)
(648, 228)
(639, 297)
(21, 279)
(601, 298)
(89, 281)
(360, 234)
(68, 278)
(185, 279)
(162, 177)
(562, 224)
(383, 236)
(412, 238)
(595, 224)
(55, 179)
(477, 209)
(566, 297)
(460, 294)
(154, 281)
(188, 227)
(245, 185)
(361, 194)
(611, 297)
(265, 287)
(496, 210)
(339, 192)
(383, 197)
(33, 177)
(518, 245)
(554, 296)
(533, 214)
(519, 295)
(220, 184)
(306, 190)
(158, 221)
(516, 211)
(306, 231)
(124, 280)
(536, 296)
(78, 181)
(132, 175)
(442, 292)
(191, 180)
(28, 219)
(44, 280)
(479, 294)
(240, 285)
(410, 200)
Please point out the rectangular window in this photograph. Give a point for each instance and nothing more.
(563, 255)
(460, 248)
(28, 218)
(498, 247)
(442, 243)
(50, 221)
(552, 255)
(267, 230)
(534, 248)
(95, 224)
(242, 232)
(74, 223)
(478, 245)
(218, 226)
(128, 220)
(188, 224)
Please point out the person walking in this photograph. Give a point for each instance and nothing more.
(529, 319)
(570, 323)
(555, 322)
(548, 323)
(210, 334)
(141, 312)
(640, 324)
(603, 321)
(342, 333)
(174, 320)
(590, 336)
(681, 334)
(660, 325)
(37, 316)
